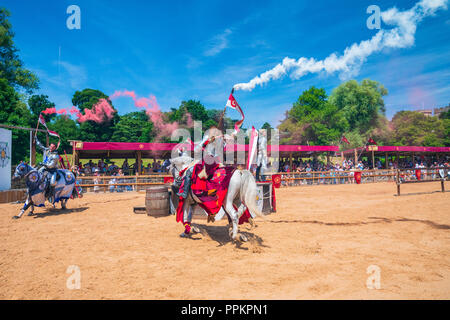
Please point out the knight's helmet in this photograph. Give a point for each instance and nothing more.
(214, 149)
(182, 152)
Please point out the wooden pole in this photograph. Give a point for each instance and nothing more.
(396, 159)
(356, 157)
(139, 157)
(32, 150)
(290, 161)
(373, 159)
(386, 160)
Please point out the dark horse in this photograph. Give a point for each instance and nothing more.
(38, 183)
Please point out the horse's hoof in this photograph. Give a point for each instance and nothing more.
(16, 217)
(195, 229)
(31, 214)
(243, 238)
(184, 235)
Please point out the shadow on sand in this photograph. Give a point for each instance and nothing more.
(57, 212)
(361, 223)
(221, 236)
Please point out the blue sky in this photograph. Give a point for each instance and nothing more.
(179, 50)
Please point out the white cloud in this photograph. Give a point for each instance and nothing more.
(348, 64)
(75, 75)
(218, 43)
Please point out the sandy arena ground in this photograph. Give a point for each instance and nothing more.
(317, 246)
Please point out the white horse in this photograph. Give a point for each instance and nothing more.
(242, 182)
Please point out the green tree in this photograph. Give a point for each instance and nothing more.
(14, 112)
(133, 127)
(362, 104)
(11, 67)
(266, 126)
(445, 114)
(90, 130)
(313, 120)
(39, 103)
(411, 128)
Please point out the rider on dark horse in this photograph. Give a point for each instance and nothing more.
(49, 165)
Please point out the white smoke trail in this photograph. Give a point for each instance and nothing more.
(348, 64)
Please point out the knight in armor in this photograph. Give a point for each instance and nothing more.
(49, 165)
(187, 178)
(261, 160)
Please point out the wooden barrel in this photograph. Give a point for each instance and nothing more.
(157, 201)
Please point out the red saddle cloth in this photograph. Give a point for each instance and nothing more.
(212, 190)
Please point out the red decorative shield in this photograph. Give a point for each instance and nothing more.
(168, 179)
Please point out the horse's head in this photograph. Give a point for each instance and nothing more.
(178, 164)
(22, 170)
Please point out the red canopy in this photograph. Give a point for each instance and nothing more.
(128, 149)
(403, 149)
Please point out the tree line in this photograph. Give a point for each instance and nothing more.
(356, 111)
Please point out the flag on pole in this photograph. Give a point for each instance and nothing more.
(344, 139)
(252, 147)
(50, 132)
(232, 103)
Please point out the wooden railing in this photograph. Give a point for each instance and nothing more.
(119, 183)
(137, 183)
(335, 177)
(422, 175)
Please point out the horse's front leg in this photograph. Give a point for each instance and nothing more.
(233, 214)
(27, 204)
(32, 210)
(64, 204)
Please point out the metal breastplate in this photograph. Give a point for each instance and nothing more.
(52, 160)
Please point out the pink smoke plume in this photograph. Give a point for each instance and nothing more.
(53, 111)
(49, 111)
(100, 112)
(152, 110)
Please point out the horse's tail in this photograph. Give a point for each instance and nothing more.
(249, 192)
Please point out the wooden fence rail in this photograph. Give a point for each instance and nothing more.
(136, 183)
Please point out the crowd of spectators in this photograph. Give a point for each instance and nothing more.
(101, 168)
(314, 165)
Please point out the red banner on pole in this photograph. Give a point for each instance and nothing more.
(358, 177)
(418, 174)
(276, 180)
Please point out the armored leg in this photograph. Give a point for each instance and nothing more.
(187, 181)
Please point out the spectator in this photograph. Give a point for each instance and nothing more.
(96, 182)
(126, 167)
(112, 183)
